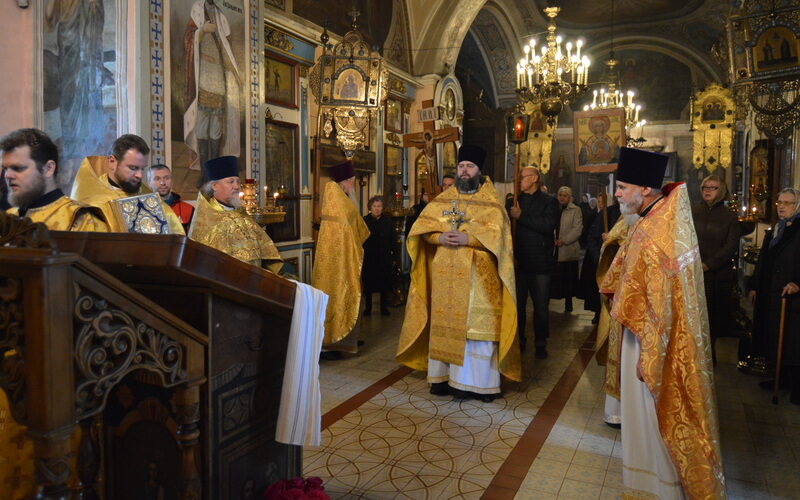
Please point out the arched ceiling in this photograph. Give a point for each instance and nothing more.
(578, 14)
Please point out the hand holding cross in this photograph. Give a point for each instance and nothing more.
(456, 216)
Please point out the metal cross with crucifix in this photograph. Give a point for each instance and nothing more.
(456, 216)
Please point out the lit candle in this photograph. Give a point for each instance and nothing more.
(579, 44)
(630, 97)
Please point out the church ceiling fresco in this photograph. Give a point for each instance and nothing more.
(662, 83)
(495, 45)
(472, 72)
(591, 13)
(374, 22)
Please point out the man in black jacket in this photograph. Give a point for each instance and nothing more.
(537, 215)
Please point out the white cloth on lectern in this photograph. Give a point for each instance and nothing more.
(646, 465)
(300, 413)
(479, 374)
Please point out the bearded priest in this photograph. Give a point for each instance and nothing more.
(220, 221)
(670, 431)
(121, 177)
(30, 165)
(461, 317)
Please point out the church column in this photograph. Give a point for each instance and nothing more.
(187, 399)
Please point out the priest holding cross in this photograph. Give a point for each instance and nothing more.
(461, 317)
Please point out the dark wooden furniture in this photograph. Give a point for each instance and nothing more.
(168, 355)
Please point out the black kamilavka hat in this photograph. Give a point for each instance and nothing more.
(641, 168)
(342, 171)
(221, 168)
(475, 154)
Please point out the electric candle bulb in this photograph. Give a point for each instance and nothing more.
(533, 42)
(527, 49)
(558, 39)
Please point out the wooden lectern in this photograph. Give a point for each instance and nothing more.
(167, 354)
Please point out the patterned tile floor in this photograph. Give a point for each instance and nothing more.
(404, 443)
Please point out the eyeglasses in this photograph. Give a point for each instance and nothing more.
(710, 188)
(784, 203)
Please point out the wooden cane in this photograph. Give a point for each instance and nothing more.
(780, 349)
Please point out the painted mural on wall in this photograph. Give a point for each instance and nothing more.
(207, 50)
(562, 166)
(645, 73)
(79, 89)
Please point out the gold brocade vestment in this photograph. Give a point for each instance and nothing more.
(234, 233)
(607, 328)
(91, 188)
(656, 279)
(337, 264)
(461, 293)
(65, 214)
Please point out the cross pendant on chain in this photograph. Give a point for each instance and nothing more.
(456, 216)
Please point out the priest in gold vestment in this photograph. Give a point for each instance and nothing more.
(220, 222)
(102, 179)
(670, 432)
(338, 258)
(30, 164)
(461, 317)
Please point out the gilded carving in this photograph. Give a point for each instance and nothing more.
(350, 81)
(277, 39)
(713, 117)
(109, 344)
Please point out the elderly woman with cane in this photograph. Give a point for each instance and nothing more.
(777, 277)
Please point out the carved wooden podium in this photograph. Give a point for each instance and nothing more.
(167, 354)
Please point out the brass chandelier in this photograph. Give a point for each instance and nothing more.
(554, 77)
(616, 98)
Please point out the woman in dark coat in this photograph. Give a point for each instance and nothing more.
(718, 237)
(778, 275)
(587, 285)
(376, 272)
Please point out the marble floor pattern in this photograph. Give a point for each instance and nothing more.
(403, 443)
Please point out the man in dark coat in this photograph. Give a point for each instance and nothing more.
(376, 272)
(537, 215)
(778, 276)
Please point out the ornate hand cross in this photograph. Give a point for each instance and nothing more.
(456, 217)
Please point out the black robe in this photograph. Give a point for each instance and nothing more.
(376, 272)
(776, 267)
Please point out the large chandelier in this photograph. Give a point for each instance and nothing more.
(616, 98)
(554, 77)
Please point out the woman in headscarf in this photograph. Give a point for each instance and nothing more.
(777, 276)
(718, 237)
